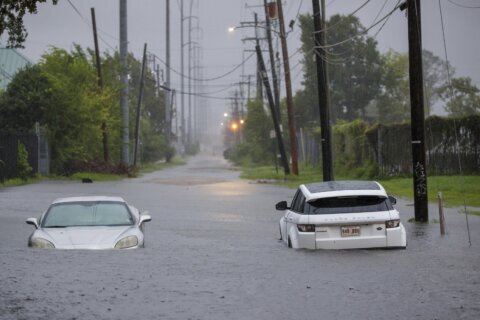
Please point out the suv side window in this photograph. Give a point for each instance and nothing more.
(298, 203)
(295, 199)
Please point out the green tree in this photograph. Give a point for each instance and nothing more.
(354, 68)
(26, 100)
(434, 78)
(152, 135)
(393, 103)
(11, 19)
(23, 167)
(74, 122)
(258, 147)
(462, 99)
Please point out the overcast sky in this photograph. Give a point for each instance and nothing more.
(61, 25)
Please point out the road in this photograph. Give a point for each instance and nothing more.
(212, 253)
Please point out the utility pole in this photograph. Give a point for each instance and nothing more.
(182, 84)
(100, 85)
(323, 94)
(168, 112)
(140, 96)
(124, 81)
(417, 111)
(288, 86)
(189, 119)
(271, 103)
(272, 62)
(259, 78)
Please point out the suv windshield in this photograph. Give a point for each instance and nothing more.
(355, 204)
(87, 214)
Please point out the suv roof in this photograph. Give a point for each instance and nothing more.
(330, 189)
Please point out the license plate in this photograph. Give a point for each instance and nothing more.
(350, 231)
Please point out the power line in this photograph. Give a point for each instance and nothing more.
(463, 6)
(348, 16)
(209, 79)
(361, 33)
(88, 23)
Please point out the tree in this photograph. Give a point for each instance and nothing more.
(354, 68)
(434, 77)
(393, 103)
(152, 135)
(26, 100)
(462, 99)
(11, 19)
(258, 146)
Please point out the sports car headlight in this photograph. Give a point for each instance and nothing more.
(127, 242)
(41, 243)
(392, 224)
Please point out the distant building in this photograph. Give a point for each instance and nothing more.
(11, 61)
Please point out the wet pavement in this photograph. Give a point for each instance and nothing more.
(212, 253)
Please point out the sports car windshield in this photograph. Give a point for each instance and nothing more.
(355, 204)
(74, 214)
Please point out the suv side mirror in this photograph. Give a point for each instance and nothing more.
(393, 200)
(282, 205)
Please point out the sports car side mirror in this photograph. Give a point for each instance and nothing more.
(33, 222)
(393, 200)
(282, 205)
(144, 218)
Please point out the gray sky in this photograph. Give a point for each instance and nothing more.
(61, 25)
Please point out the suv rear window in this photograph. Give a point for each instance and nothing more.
(354, 204)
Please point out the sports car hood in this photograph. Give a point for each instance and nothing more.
(91, 237)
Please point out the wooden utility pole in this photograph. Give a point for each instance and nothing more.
(323, 95)
(140, 96)
(106, 153)
(259, 93)
(288, 86)
(168, 100)
(417, 111)
(272, 62)
(271, 103)
(124, 80)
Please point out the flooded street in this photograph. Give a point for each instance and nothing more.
(212, 253)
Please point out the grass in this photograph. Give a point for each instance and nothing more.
(94, 176)
(17, 182)
(456, 190)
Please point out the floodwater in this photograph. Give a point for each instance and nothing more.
(212, 253)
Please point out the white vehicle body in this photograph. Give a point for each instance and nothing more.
(100, 231)
(339, 215)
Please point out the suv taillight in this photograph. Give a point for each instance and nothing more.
(392, 224)
(306, 227)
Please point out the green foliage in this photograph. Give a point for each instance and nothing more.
(24, 169)
(393, 104)
(74, 121)
(258, 146)
(27, 100)
(462, 99)
(152, 113)
(355, 70)
(61, 93)
(11, 19)
(352, 154)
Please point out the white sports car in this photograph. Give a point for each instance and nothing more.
(94, 222)
(341, 215)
